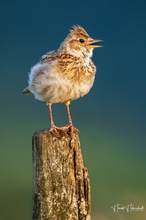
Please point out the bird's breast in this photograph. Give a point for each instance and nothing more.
(55, 83)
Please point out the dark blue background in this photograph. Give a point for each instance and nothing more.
(111, 117)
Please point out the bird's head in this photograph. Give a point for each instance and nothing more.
(79, 43)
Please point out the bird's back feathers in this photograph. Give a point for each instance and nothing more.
(51, 55)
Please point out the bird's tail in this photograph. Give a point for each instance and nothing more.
(26, 91)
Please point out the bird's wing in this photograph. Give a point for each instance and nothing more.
(52, 55)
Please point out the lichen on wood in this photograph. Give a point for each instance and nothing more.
(61, 181)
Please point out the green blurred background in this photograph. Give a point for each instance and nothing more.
(111, 117)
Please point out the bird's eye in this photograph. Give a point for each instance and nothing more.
(81, 40)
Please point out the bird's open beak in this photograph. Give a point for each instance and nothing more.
(92, 42)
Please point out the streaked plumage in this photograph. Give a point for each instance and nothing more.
(65, 74)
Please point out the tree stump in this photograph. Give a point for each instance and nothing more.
(61, 181)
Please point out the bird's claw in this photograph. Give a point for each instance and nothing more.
(58, 131)
(70, 129)
(67, 130)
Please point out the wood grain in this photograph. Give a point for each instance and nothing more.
(61, 181)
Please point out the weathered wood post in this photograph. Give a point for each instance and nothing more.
(61, 181)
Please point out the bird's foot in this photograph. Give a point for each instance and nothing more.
(67, 130)
(57, 131)
(70, 129)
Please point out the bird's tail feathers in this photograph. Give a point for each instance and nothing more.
(27, 91)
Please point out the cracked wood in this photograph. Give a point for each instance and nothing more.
(61, 181)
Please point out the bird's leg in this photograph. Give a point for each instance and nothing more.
(50, 111)
(53, 127)
(68, 113)
(70, 125)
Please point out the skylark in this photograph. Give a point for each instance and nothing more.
(64, 74)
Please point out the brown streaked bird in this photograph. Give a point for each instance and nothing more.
(65, 74)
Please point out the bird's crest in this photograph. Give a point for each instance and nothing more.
(77, 29)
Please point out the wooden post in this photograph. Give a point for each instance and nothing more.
(61, 181)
